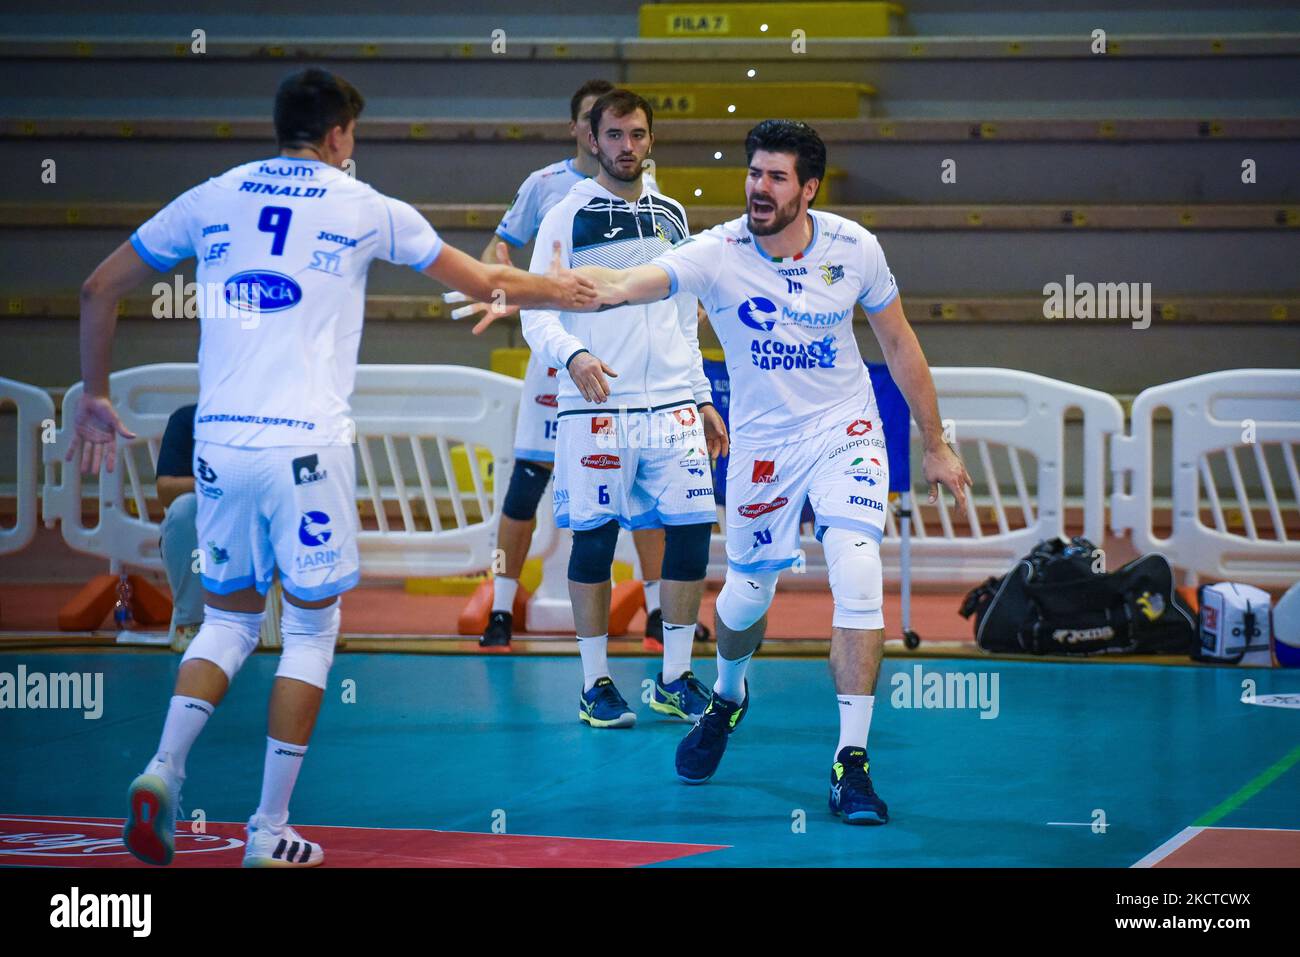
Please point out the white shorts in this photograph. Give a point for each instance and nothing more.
(292, 508)
(843, 472)
(643, 469)
(535, 428)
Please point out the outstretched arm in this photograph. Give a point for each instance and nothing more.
(907, 365)
(626, 287)
(558, 288)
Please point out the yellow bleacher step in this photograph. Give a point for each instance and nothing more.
(750, 21)
(511, 362)
(756, 101)
(725, 185)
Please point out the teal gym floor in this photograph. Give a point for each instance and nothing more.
(1085, 764)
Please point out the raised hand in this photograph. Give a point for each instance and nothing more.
(574, 291)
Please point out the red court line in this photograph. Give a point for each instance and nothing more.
(1227, 847)
(53, 841)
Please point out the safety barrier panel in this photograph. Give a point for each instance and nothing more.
(428, 438)
(1219, 420)
(432, 441)
(35, 413)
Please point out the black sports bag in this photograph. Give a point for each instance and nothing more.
(1054, 603)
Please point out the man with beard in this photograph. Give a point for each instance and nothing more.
(645, 463)
(779, 285)
(536, 426)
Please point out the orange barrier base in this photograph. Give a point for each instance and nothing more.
(625, 601)
(87, 609)
(474, 616)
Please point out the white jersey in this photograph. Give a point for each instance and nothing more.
(655, 347)
(283, 248)
(786, 325)
(537, 194)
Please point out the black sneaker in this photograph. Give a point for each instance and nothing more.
(497, 632)
(700, 752)
(852, 796)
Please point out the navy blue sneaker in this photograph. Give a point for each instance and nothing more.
(604, 707)
(687, 697)
(852, 796)
(700, 752)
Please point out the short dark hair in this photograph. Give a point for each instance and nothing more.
(790, 136)
(620, 103)
(312, 102)
(590, 88)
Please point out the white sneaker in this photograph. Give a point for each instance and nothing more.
(279, 847)
(152, 801)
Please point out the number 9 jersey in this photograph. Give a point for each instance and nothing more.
(283, 247)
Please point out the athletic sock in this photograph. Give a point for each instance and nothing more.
(279, 774)
(186, 717)
(651, 597)
(731, 678)
(855, 720)
(503, 593)
(595, 660)
(677, 650)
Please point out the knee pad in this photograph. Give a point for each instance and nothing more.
(226, 638)
(527, 483)
(592, 557)
(686, 551)
(856, 578)
(308, 636)
(745, 597)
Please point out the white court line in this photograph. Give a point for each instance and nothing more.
(1069, 823)
(1169, 846)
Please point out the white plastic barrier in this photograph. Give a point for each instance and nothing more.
(35, 409)
(1218, 420)
(409, 419)
(1010, 427)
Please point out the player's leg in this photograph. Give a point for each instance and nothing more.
(535, 431)
(650, 550)
(849, 496)
(590, 499)
(686, 559)
(177, 544)
(672, 488)
(514, 538)
(763, 489)
(234, 549)
(312, 516)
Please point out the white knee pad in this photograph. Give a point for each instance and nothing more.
(745, 597)
(308, 636)
(857, 580)
(226, 638)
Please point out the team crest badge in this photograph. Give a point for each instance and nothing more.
(832, 273)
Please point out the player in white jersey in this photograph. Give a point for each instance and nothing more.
(779, 285)
(631, 455)
(283, 247)
(537, 424)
